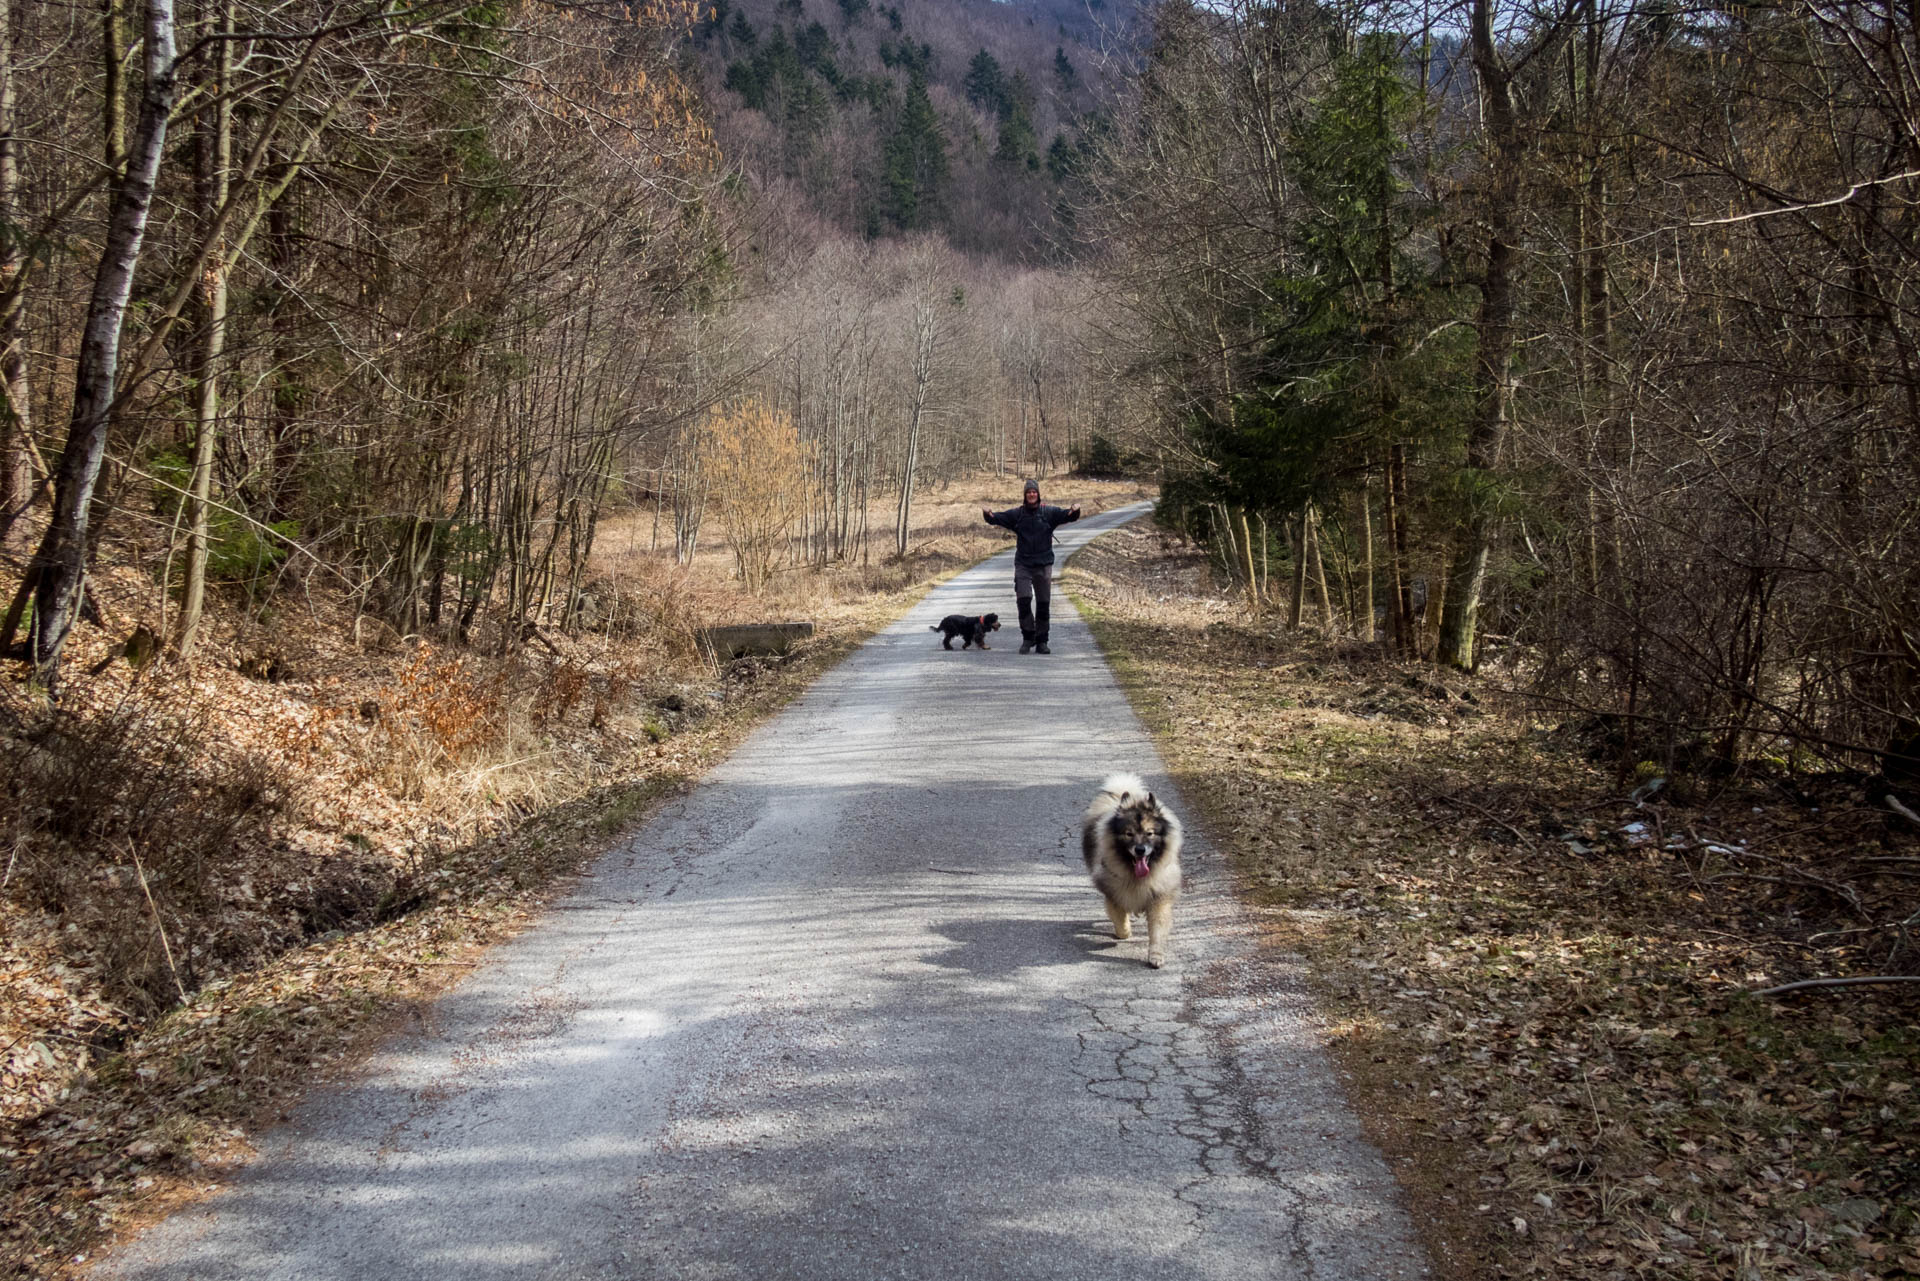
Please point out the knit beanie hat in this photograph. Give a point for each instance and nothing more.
(1032, 487)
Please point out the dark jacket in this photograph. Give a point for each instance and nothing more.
(1033, 527)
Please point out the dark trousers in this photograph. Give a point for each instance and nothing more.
(1033, 587)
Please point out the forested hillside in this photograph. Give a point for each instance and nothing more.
(970, 117)
(407, 304)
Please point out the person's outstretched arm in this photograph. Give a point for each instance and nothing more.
(995, 518)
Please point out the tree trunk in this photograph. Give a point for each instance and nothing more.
(216, 147)
(1266, 542)
(286, 403)
(1296, 605)
(1596, 320)
(1040, 409)
(1319, 570)
(113, 89)
(16, 422)
(1000, 447)
(1494, 326)
(1228, 543)
(1406, 635)
(1366, 559)
(926, 323)
(58, 572)
(1246, 556)
(903, 514)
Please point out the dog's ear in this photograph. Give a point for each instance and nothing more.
(1122, 798)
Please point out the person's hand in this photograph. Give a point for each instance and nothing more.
(988, 513)
(1074, 511)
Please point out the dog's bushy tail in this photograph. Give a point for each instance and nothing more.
(934, 628)
(1109, 797)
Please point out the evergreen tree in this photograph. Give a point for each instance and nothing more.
(1063, 70)
(805, 119)
(1336, 380)
(915, 161)
(1060, 159)
(851, 10)
(1018, 146)
(778, 63)
(985, 84)
(811, 44)
(914, 59)
(745, 81)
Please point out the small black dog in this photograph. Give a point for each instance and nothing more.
(973, 629)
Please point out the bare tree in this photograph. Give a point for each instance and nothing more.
(57, 575)
(933, 305)
(1498, 65)
(215, 156)
(16, 418)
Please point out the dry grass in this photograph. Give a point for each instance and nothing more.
(317, 827)
(948, 535)
(1543, 1014)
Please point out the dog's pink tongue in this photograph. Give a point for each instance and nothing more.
(1140, 868)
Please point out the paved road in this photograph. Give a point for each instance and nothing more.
(847, 1010)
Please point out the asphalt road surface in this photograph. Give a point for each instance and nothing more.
(848, 1009)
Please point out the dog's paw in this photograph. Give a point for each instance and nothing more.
(1124, 930)
(1156, 959)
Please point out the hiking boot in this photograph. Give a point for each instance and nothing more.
(1026, 644)
(1041, 648)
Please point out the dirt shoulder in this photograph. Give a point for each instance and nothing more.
(226, 882)
(1538, 989)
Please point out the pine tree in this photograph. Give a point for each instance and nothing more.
(915, 161)
(1060, 159)
(745, 81)
(986, 84)
(1018, 146)
(1335, 375)
(812, 43)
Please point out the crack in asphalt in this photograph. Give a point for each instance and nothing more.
(846, 1010)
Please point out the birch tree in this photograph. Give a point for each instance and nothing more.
(56, 576)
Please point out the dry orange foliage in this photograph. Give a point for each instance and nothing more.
(759, 467)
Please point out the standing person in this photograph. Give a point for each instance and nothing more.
(1033, 526)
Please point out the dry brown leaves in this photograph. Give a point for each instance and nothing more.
(1545, 1014)
(331, 822)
